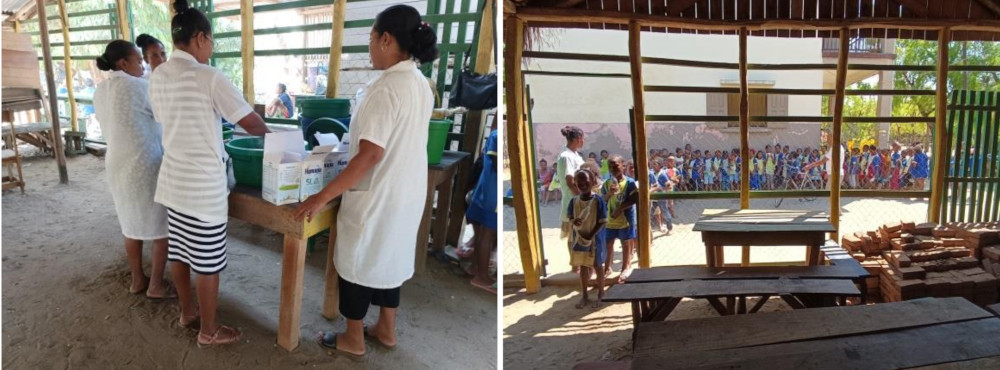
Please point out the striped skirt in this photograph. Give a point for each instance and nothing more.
(200, 245)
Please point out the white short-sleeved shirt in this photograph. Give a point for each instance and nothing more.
(569, 162)
(190, 99)
(829, 160)
(379, 217)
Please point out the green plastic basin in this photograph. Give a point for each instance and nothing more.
(437, 137)
(227, 134)
(248, 160)
(332, 108)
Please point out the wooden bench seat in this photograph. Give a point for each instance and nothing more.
(38, 134)
(675, 273)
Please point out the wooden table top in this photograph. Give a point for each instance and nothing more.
(762, 221)
(882, 336)
(449, 160)
(247, 204)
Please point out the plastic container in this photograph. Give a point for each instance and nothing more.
(331, 108)
(227, 134)
(437, 138)
(304, 121)
(324, 126)
(248, 160)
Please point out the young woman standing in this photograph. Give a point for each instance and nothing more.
(190, 98)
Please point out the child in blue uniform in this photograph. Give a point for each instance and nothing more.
(483, 211)
(588, 214)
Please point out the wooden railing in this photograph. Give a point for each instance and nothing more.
(858, 45)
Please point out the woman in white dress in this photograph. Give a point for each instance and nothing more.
(384, 184)
(132, 162)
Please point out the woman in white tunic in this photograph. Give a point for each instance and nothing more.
(384, 183)
(121, 104)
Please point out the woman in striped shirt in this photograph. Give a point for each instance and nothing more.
(190, 98)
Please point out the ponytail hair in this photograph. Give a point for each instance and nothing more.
(413, 35)
(187, 23)
(571, 133)
(115, 51)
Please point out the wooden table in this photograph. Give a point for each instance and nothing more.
(247, 204)
(440, 178)
(756, 227)
(930, 331)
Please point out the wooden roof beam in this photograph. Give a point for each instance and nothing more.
(917, 8)
(991, 5)
(679, 6)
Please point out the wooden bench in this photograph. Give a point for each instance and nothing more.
(654, 293)
(906, 334)
(38, 134)
(995, 308)
(838, 256)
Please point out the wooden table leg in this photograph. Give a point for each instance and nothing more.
(746, 256)
(709, 255)
(456, 221)
(720, 256)
(331, 293)
(440, 226)
(812, 259)
(293, 263)
(425, 228)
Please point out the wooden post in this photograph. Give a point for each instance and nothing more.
(68, 62)
(50, 81)
(521, 156)
(940, 157)
(17, 26)
(475, 122)
(336, 48)
(639, 126)
(123, 25)
(838, 121)
(744, 124)
(744, 147)
(246, 34)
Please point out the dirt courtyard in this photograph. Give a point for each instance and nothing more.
(66, 305)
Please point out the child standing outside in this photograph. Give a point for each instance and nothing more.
(709, 175)
(588, 213)
(920, 169)
(770, 164)
(696, 169)
(621, 194)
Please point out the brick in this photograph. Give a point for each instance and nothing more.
(907, 226)
(944, 232)
(893, 227)
(924, 228)
(966, 262)
(992, 252)
(912, 272)
(907, 237)
(953, 242)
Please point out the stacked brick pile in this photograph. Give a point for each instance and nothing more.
(929, 260)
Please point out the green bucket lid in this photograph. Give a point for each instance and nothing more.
(317, 108)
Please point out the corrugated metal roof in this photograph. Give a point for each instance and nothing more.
(14, 6)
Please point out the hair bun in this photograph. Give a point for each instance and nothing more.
(103, 63)
(424, 47)
(144, 40)
(181, 5)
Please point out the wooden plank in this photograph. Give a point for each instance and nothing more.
(293, 262)
(67, 60)
(757, 220)
(640, 144)
(947, 212)
(677, 273)
(336, 47)
(995, 165)
(122, 11)
(936, 344)
(979, 363)
(977, 193)
(744, 123)
(718, 288)
(838, 121)
(331, 289)
(247, 204)
(521, 157)
(50, 82)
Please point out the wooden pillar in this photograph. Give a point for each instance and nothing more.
(744, 124)
(124, 28)
(17, 26)
(68, 62)
(336, 48)
(246, 36)
(50, 81)
(475, 123)
(520, 155)
(939, 156)
(639, 127)
(838, 121)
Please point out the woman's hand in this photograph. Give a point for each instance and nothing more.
(311, 207)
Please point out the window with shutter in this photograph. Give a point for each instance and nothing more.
(758, 107)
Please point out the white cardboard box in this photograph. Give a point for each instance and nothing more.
(314, 172)
(335, 164)
(282, 168)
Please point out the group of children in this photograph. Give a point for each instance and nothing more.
(873, 168)
(602, 213)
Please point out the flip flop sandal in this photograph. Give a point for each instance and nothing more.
(169, 293)
(329, 341)
(489, 288)
(377, 341)
(194, 324)
(216, 341)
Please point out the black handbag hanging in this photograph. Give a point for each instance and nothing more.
(472, 90)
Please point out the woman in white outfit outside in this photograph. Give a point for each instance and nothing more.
(121, 104)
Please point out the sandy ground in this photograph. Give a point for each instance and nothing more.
(545, 330)
(66, 305)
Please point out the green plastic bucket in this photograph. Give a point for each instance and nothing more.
(332, 108)
(437, 138)
(248, 160)
(227, 134)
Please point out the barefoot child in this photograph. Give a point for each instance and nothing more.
(588, 213)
